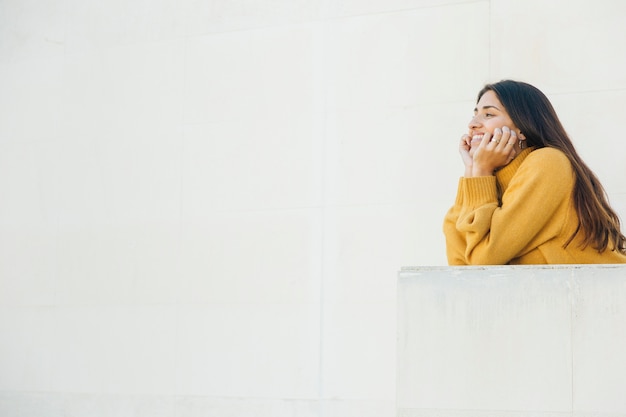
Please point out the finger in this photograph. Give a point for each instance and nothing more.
(510, 146)
(464, 145)
(507, 134)
(487, 138)
(510, 143)
(503, 138)
(497, 137)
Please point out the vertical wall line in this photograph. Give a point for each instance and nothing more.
(490, 46)
(181, 204)
(320, 86)
(321, 288)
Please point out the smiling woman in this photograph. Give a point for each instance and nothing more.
(526, 196)
(492, 123)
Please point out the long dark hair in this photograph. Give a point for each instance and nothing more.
(533, 114)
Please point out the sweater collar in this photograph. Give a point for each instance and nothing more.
(506, 173)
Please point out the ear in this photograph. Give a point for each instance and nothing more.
(521, 136)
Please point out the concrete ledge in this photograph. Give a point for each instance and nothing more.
(512, 341)
(58, 404)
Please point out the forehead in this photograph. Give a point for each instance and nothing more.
(489, 99)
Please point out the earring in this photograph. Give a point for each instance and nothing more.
(522, 139)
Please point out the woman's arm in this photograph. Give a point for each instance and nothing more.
(455, 240)
(495, 234)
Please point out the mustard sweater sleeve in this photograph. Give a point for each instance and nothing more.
(532, 211)
(455, 240)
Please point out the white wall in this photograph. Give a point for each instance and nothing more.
(203, 205)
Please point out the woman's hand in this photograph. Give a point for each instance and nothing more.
(464, 150)
(494, 152)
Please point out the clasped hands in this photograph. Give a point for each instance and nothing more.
(493, 151)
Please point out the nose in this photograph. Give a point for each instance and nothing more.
(474, 123)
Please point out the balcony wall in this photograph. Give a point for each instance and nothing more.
(512, 341)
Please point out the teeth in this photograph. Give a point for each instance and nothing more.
(476, 137)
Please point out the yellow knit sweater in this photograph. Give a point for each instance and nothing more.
(530, 226)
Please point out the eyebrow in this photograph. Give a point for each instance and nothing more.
(487, 107)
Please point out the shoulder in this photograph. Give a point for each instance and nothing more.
(550, 159)
(546, 172)
(552, 155)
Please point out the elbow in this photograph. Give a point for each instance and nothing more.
(484, 260)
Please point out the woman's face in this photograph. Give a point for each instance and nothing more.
(489, 114)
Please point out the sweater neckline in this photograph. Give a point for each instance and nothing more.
(506, 173)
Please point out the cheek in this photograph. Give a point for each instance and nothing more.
(493, 124)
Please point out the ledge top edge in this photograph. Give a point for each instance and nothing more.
(409, 269)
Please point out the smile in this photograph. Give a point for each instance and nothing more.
(476, 139)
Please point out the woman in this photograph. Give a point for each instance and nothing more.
(527, 197)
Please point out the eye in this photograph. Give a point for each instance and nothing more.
(488, 115)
